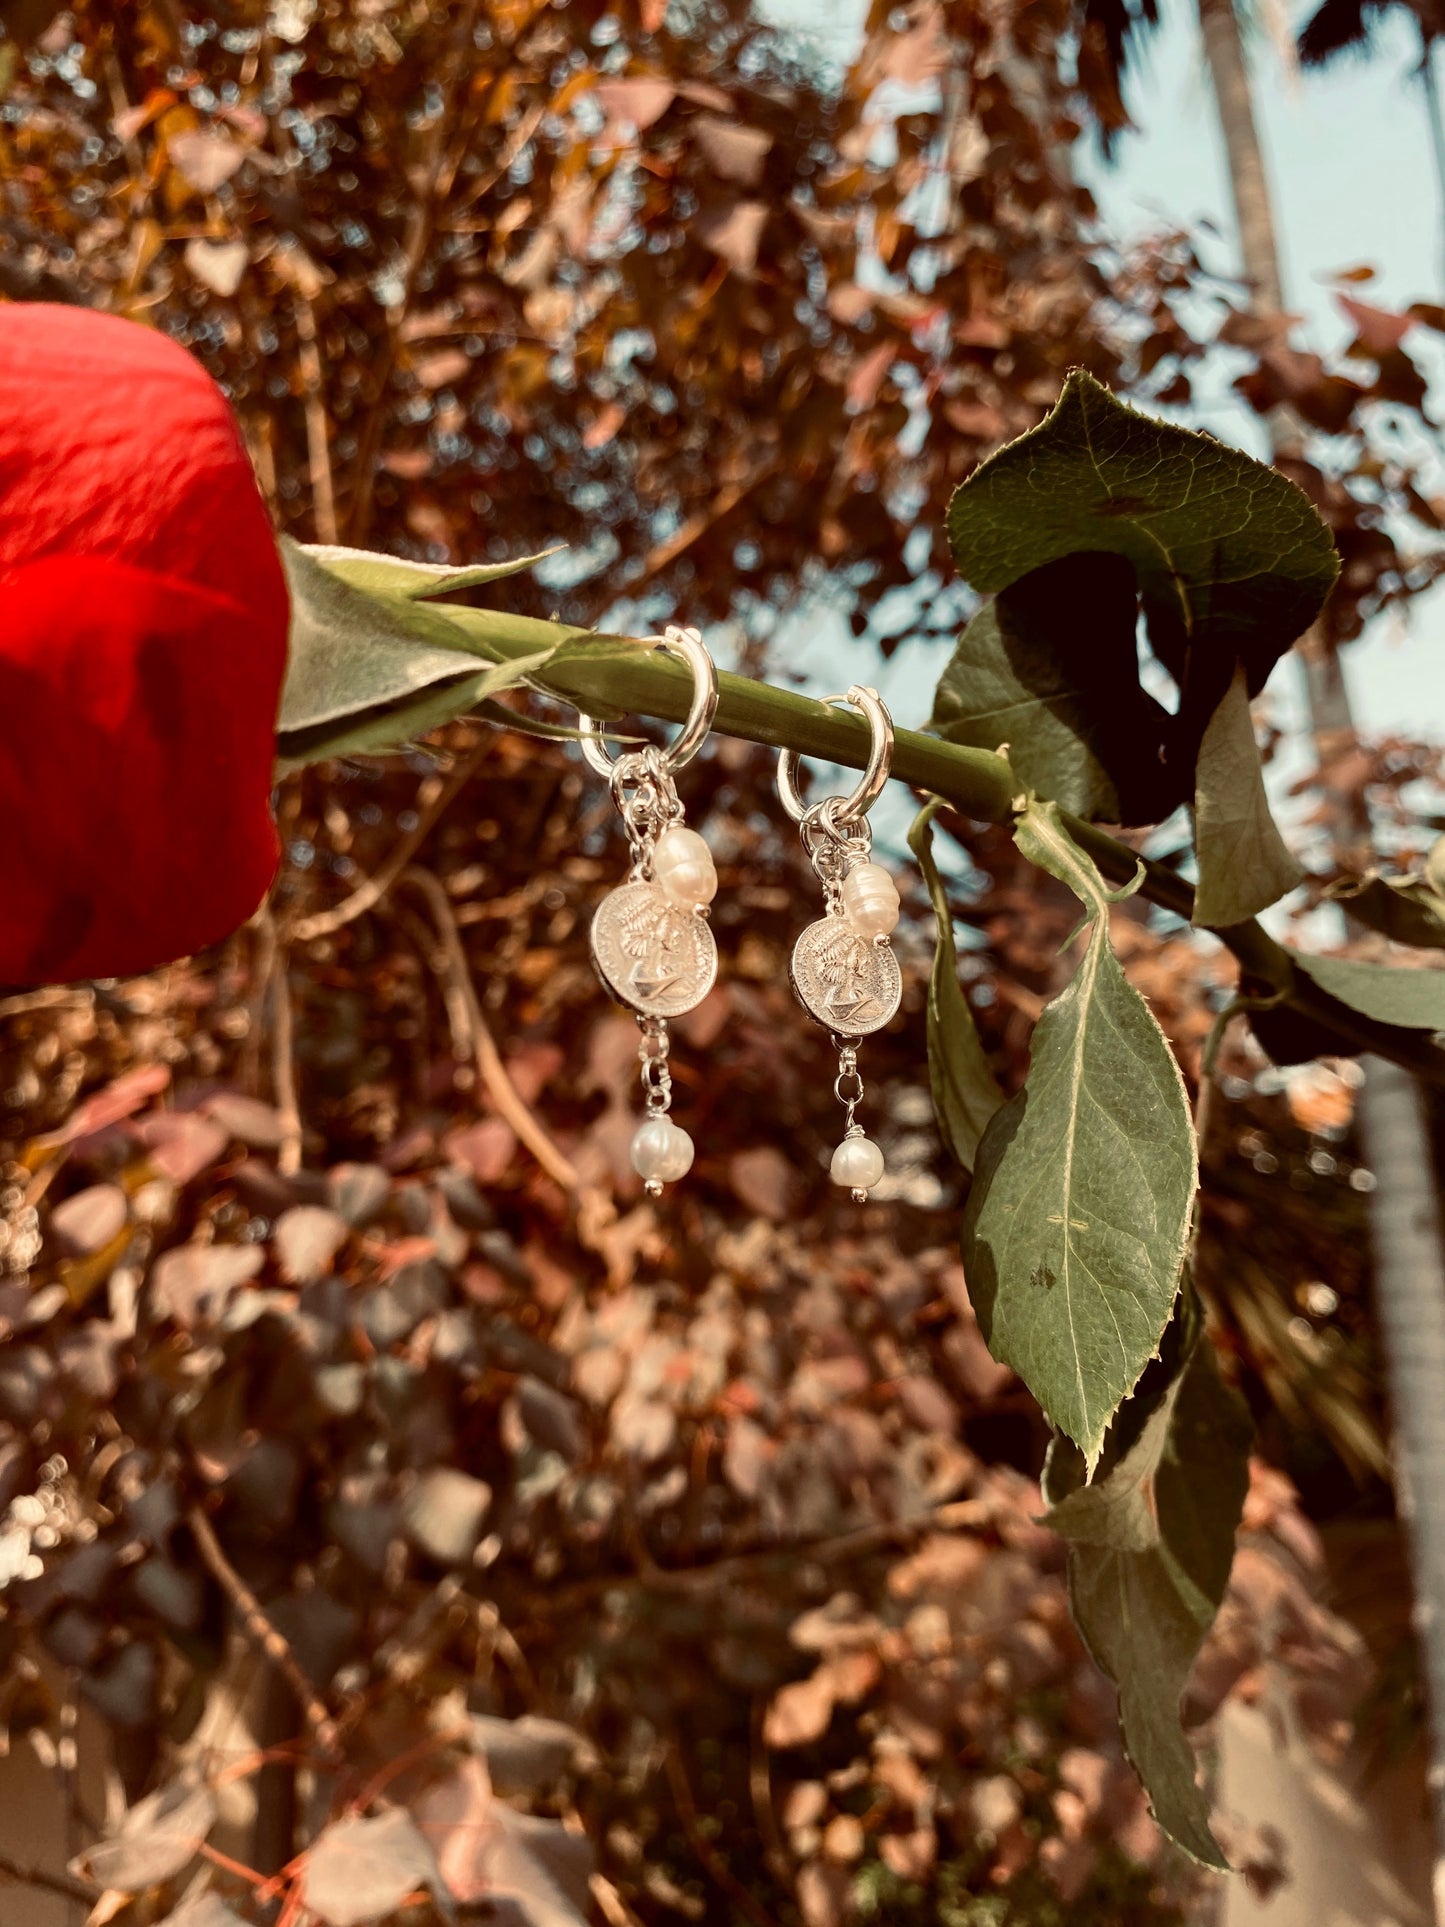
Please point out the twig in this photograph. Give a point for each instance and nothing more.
(260, 1630)
(48, 999)
(263, 958)
(760, 1787)
(318, 438)
(283, 1065)
(228, 1865)
(698, 524)
(611, 1903)
(326, 922)
(712, 1861)
(474, 1039)
(53, 1883)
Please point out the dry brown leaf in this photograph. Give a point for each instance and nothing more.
(206, 159)
(217, 265)
(734, 233)
(306, 1239)
(733, 152)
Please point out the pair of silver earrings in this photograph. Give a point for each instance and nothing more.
(654, 949)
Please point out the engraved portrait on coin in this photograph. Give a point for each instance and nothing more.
(850, 984)
(657, 957)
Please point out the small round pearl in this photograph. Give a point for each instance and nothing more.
(661, 1151)
(870, 899)
(683, 865)
(857, 1164)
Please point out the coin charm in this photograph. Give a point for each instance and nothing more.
(849, 983)
(843, 967)
(650, 937)
(657, 957)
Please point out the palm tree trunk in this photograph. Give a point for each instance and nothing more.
(1435, 121)
(1405, 1229)
(1248, 179)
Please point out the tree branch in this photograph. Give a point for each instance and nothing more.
(262, 1632)
(620, 676)
(474, 1036)
(52, 1883)
(366, 895)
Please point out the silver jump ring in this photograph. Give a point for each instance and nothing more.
(688, 645)
(852, 808)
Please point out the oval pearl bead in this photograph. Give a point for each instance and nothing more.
(662, 1151)
(857, 1164)
(683, 865)
(870, 899)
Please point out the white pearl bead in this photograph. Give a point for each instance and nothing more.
(683, 865)
(870, 899)
(690, 884)
(661, 1151)
(857, 1164)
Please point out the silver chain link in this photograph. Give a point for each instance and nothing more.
(647, 800)
(849, 1075)
(833, 849)
(652, 1055)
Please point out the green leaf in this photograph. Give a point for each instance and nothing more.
(1151, 1543)
(1244, 864)
(496, 633)
(1390, 993)
(1075, 1231)
(504, 718)
(965, 1091)
(393, 575)
(378, 731)
(1405, 908)
(1050, 668)
(353, 651)
(1232, 560)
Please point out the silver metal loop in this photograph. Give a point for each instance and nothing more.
(689, 647)
(850, 809)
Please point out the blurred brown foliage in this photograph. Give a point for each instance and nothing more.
(659, 283)
(328, 1406)
(729, 1483)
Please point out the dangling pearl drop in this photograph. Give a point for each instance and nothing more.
(682, 863)
(857, 1165)
(870, 900)
(662, 1152)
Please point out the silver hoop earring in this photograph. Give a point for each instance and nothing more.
(650, 937)
(843, 967)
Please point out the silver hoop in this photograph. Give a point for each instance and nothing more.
(688, 646)
(852, 808)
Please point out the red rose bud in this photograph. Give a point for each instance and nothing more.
(143, 619)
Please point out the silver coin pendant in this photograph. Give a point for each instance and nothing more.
(655, 956)
(851, 984)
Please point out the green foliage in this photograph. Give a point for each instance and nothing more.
(1231, 563)
(1151, 1542)
(372, 667)
(965, 1091)
(393, 575)
(1050, 667)
(1244, 865)
(1406, 909)
(1075, 1230)
(1413, 999)
(1231, 559)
